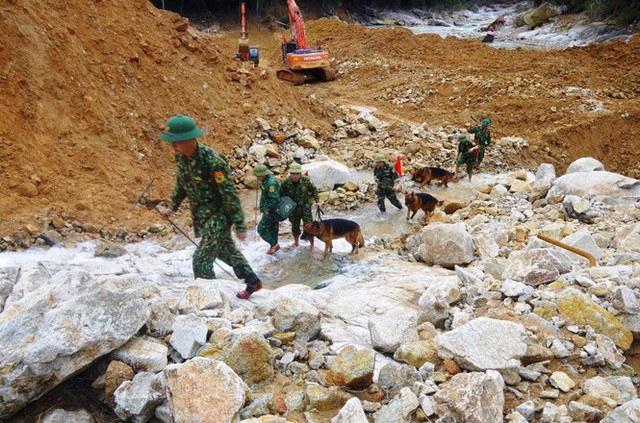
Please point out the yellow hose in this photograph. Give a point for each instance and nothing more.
(592, 260)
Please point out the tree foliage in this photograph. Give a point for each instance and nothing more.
(624, 11)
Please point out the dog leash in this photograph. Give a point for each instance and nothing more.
(319, 214)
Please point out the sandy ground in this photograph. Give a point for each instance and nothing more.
(87, 86)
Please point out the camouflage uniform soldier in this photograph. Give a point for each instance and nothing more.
(301, 189)
(269, 224)
(385, 175)
(465, 154)
(203, 178)
(482, 138)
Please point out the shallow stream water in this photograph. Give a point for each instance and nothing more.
(468, 24)
(167, 264)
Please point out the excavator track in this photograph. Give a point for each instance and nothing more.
(295, 78)
(308, 75)
(327, 74)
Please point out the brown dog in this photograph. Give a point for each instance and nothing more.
(329, 229)
(419, 201)
(426, 174)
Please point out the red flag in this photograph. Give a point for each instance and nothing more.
(398, 166)
(306, 173)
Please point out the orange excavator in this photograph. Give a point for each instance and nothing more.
(246, 52)
(303, 64)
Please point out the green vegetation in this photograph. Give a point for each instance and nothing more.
(620, 11)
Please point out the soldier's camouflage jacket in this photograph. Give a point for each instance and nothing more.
(301, 191)
(205, 180)
(481, 136)
(385, 175)
(270, 194)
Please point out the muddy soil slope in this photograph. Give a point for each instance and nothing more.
(87, 86)
(86, 89)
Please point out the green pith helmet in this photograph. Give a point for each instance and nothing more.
(463, 138)
(380, 158)
(261, 170)
(181, 128)
(486, 122)
(295, 168)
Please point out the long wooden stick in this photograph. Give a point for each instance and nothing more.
(592, 260)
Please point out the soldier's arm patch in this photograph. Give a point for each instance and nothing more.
(218, 176)
(272, 188)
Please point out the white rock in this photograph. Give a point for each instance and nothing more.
(585, 164)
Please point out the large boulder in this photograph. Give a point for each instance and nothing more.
(326, 174)
(628, 239)
(204, 390)
(484, 343)
(585, 164)
(601, 186)
(540, 15)
(581, 310)
(629, 412)
(471, 398)
(8, 278)
(291, 314)
(446, 245)
(54, 333)
(536, 266)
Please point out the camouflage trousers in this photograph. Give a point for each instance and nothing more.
(386, 191)
(268, 228)
(480, 156)
(467, 158)
(299, 214)
(219, 244)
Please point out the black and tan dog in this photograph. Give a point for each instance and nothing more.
(420, 201)
(426, 174)
(329, 229)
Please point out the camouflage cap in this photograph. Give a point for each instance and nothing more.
(295, 168)
(463, 137)
(380, 158)
(181, 128)
(261, 170)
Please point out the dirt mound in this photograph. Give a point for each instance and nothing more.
(89, 86)
(566, 104)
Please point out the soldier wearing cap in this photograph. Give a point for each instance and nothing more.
(301, 190)
(385, 175)
(203, 177)
(269, 224)
(482, 138)
(466, 154)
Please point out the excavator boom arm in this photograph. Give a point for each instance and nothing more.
(296, 23)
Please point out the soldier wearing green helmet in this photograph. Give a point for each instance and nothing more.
(301, 190)
(482, 138)
(385, 175)
(465, 155)
(203, 177)
(269, 224)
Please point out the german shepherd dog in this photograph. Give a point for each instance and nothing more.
(420, 201)
(329, 229)
(426, 174)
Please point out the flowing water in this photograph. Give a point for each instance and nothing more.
(167, 264)
(468, 24)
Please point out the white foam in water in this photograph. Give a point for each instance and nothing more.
(467, 24)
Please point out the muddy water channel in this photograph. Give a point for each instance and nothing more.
(167, 264)
(304, 266)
